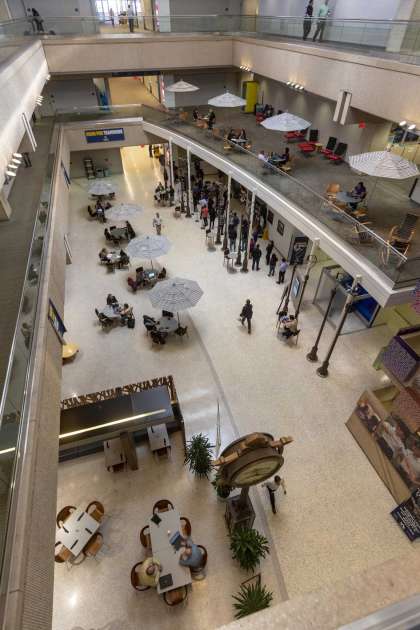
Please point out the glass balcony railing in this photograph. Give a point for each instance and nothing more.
(366, 243)
(395, 38)
(14, 397)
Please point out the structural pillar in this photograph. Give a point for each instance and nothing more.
(311, 262)
(190, 209)
(251, 223)
(171, 163)
(227, 211)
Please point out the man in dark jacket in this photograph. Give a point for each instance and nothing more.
(273, 263)
(246, 314)
(256, 255)
(268, 251)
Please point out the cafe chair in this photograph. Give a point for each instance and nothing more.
(96, 510)
(291, 336)
(176, 596)
(329, 147)
(158, 337)
(401, 235)
(93, 546)
(63, 554)
(331, 192)
(63, 514)
(337, 156)
(135, 580)
(181, 331)
(199, 573)
(145, 539)
(185, 526)
(163, 505)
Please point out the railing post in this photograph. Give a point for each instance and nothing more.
(171, 163)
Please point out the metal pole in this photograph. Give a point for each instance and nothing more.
(323, 369)
(227, 211)
(218, 240)
(189, 194)
(238, 261)
(312, 355)
(312, 260)
(289, 290)
(171, 163)
(251, 221)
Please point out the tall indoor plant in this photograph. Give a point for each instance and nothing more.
(251, 598)
(199, 455)
(248, 546)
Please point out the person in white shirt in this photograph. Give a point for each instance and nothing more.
(323, 13)
(157, 223)
(272, 487)
(262, 156)
(130, 15)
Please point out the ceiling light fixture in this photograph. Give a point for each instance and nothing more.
(10, 173)
(403, 123)
(411, 127)
(12, 166)
(17, 155)
(16, 161)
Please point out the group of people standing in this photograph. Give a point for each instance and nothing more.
(323, 13)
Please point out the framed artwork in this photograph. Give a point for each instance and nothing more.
(280, 227)
(270, 217)
(56, 321)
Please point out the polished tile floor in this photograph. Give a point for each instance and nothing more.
(334, 519)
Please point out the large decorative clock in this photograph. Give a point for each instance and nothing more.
(250, 460)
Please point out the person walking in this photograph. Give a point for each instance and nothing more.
(130, 15)
(204, 216)
(157, 224)
(307, 20)
(246, 314)
(323, 13)
(233, 235)
(256, 255)
(26, 159)
(212, 216)
(273, 263)
(268, 251)
(282, 271)
(111, 16)
(39, 22)
(272, 487)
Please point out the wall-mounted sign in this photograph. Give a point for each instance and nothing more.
(104, 135)
(56, 321)
(407, 515)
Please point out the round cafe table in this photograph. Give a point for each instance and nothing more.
(109, 312)
(167, 324)
(345, 197)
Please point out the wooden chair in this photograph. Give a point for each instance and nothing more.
(199, 572)
(163, 505)
(185, 526)
(362, 236)
(63, 554)
(63, 514)
(401, 235)
(93, 546)
(145, 539)
(286, 168)
(96, 510)
(135, 580)
(176, 596)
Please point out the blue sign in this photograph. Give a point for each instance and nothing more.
(105, 135)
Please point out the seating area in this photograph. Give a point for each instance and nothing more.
(77, 535)
(160, 330)
(115, 314)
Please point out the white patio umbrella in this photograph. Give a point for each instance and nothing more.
(182, 86)
(227, 100)
(383, 164)
(175, 294)
(123, 211)
(102, 188)
(148, 246)
(285, 122)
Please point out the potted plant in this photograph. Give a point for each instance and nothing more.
(222, 490)
(251, 598)
(199, 455)
(248, 546)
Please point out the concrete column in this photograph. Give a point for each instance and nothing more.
(189, 193)
(5, 208)
(171, 163)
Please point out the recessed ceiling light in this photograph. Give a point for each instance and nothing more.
(411, 127)
(16, 161)
(12, 166)
(10, 173)
(17, 155)
(402, 123)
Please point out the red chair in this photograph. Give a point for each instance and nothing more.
(307, 148)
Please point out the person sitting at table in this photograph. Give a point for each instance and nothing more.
(191, 555)
(100, 212)
(289, 325)
(92, 213)
(231, 135)
(126, 313)
(167, 314)
(195, 114)
(262, 156)
(124, 259)
(111, 300)
(103, 255)
(149, 572)
(285, 157)
(131, 233)
(108, 205)
(140, 277)
(359, 192)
